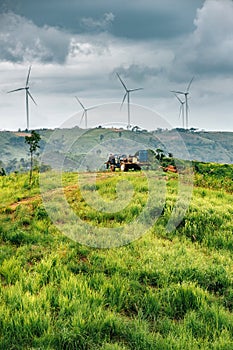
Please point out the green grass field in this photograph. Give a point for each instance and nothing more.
(166, 290)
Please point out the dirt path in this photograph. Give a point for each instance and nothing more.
(65, 189)
(24, 201)
(29, 200)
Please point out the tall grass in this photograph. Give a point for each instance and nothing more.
(163, 291)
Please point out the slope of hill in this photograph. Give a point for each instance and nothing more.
(201, 146)
(166, 290)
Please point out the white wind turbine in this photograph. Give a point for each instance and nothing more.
(185, 93)
(27, 93)
(127, 94)
(84, 111)
(181, 113)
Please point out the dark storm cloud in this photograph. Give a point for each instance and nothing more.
(206, 49)
(139, 19)
(43, 30)
(155, 44)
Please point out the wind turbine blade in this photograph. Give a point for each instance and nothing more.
(190, 84)
(90, 108)
(124, 99)
(82, 118)
(131, 90)
(122, 82)
(31, 97)
(80, 103)
(15, 90)
(29, 71)
(179, 99)
(178, 92)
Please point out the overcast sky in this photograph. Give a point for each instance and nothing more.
(76, 47)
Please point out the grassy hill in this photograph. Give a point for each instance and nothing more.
(166, 290)
(201, 146)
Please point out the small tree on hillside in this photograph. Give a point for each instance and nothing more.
(33, 142)
(159, 154)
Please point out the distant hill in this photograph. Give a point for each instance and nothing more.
(204, 146)
(184, 144)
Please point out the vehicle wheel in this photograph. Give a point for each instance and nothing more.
(137, 168)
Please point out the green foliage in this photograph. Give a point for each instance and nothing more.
(214, 176)
(33, 142)
(164, 291)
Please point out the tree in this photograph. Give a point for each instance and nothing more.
(2, 172)
(159, 154)
(193, 129)
(135, 128)
(33, 142)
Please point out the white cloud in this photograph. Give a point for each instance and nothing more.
(22, 41)
(90, 23)
(105, 51)
(212, 41)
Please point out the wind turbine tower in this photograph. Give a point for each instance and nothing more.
(27, 93)
(181, 113)
(185, 93)
(127, 94)
(84, 115)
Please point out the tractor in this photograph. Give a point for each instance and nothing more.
(126, 163)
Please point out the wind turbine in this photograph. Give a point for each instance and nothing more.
(185, 93)
(181, 113)
(84, 111)
(27, 93)
(127, 94)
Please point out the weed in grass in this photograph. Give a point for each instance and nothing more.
(179, 299)
(10, 270)
(114, 346)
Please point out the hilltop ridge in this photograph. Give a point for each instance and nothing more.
(199, 145)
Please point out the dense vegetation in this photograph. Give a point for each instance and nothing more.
(166, 290)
